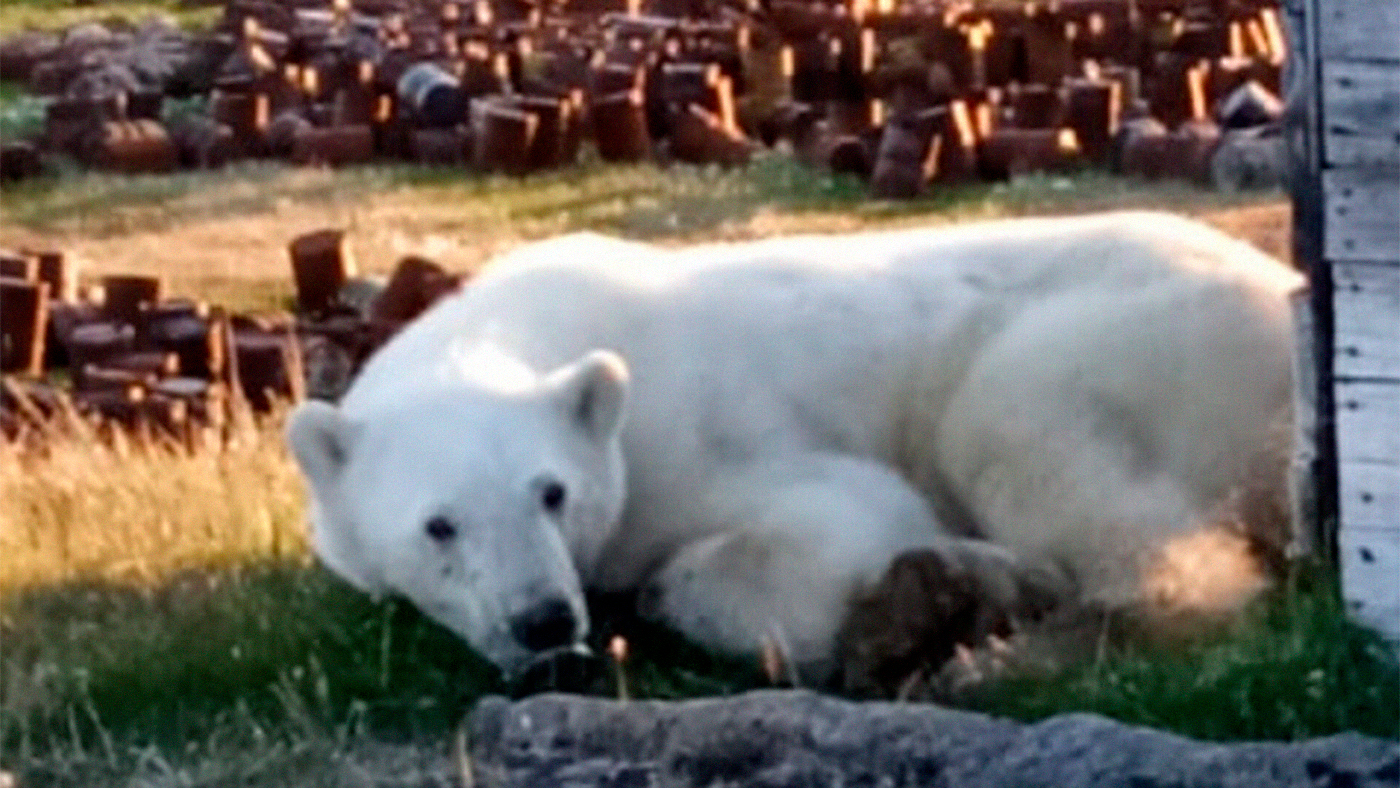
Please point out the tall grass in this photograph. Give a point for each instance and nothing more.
(156, 596)
(158, 600)
(120, 507)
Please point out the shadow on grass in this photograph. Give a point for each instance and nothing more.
(286, 650)
(264, 652)
(107, 664)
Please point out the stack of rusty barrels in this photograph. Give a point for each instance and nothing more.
(122, 352)
(903, 93)
(342, 317)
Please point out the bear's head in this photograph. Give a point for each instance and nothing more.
(477, 504)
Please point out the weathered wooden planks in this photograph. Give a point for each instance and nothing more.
(1370, 566)
(1366, 328)
(1359, 29)
(1368, 421)
(1361, 111)
(1370, 496)
(1361, 214)
(1357, 192)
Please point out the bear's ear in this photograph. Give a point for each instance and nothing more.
(593, 391)
(319, 437)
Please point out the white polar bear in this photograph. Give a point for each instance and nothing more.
(752, 431)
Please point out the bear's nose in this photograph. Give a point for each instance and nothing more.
(549, 624)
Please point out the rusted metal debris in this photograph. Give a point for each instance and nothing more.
(126, 355)
(514, 87)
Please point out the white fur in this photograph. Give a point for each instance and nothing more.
(799, 410)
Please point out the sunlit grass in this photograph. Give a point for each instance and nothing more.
(81, 507)
(59, 15)
(682, 202)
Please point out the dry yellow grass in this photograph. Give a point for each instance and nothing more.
(223, 236)
(134, 510)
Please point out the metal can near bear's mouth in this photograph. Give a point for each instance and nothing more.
(572, 668)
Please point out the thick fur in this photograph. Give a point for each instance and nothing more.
(750, 432)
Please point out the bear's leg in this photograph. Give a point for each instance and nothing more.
(794, 541)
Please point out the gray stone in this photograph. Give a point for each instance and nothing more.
(798, 739)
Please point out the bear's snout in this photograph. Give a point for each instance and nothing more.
(548, 625)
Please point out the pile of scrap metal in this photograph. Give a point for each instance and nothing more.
(121, 354)
(900, 92)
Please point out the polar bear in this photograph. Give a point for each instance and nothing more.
(748, 433)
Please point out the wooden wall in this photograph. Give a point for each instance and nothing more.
(1356, 139)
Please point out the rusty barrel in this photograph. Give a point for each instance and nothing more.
(700, 136)
(134, 146)
(902, 159)
(23, 318)
(502, 135)
(451, 147)
(1191, 148)
(620, 127)
(1036, 107)
(182, 328)
(268, 368)
(334, 146)
(321, 263)
(124, 296)
(1092, 108)
(433, 95)
(553, 118)
(954, 154)
(1008, 152)
(19, 265)
(246, 114)
(19, 160)
(91, 344)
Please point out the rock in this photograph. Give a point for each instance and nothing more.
(87, 34)
(1249, 159)
(799, 738)
(110, 78)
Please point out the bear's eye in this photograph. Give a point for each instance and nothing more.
(552, 496)
(440, 529)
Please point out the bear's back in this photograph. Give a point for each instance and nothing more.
(547, 302)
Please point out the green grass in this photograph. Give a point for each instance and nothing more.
(164, 663)
(21, 115)
(243, 656)
(1292, 667)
